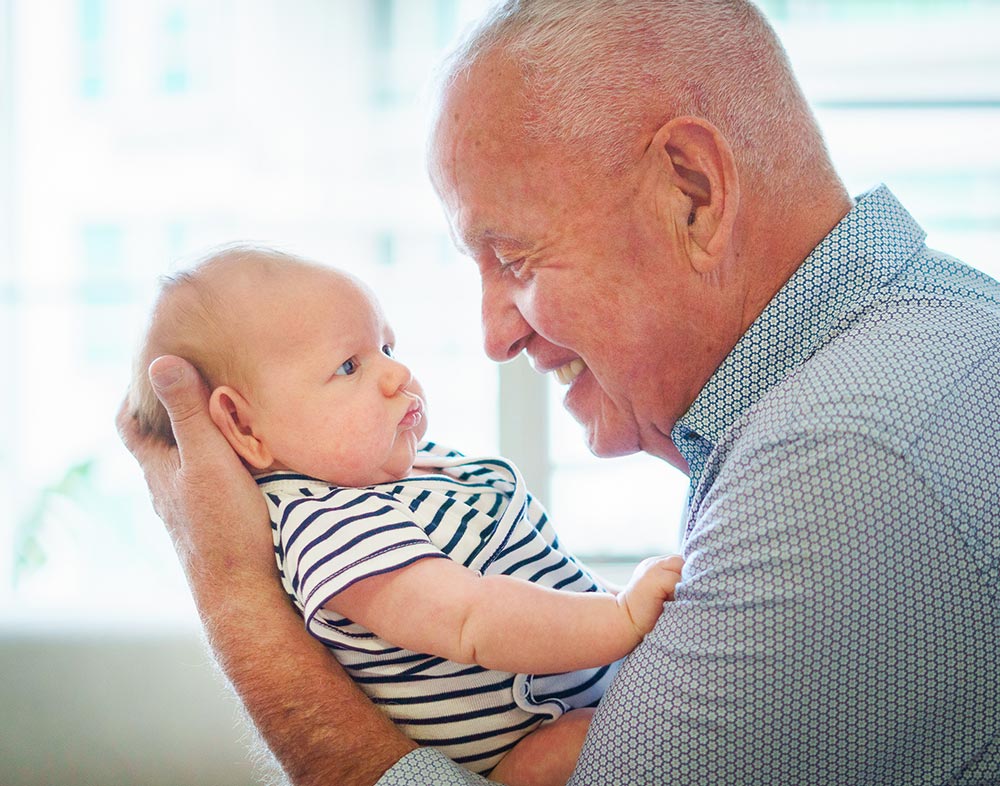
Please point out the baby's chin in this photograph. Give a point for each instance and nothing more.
(391, 473)
(364, 472)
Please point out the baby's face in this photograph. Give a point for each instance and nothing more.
(329, 399)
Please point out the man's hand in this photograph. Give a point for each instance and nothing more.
(210, 504)
(547, 756)
(319, 725)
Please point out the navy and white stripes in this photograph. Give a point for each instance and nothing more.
(476, 512)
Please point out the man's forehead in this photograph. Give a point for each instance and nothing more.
(480, 156)
(478, 109)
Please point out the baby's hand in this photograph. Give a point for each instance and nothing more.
(651, 585)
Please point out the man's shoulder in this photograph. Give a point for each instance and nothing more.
(912, 378)
(912, 354)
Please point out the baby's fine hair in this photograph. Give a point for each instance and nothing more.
(192, 318)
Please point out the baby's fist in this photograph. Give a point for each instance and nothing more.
(652, 584)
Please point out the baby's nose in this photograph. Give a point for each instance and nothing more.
(396, 377)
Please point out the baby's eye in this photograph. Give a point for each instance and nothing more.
(388, 351)
(347, 368)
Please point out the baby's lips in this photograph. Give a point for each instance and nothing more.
(413, 415)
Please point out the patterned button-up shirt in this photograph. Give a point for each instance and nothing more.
(838, 618)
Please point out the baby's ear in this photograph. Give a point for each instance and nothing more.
(231, 412)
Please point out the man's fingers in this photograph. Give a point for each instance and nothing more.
(153, 455)
(127, 428)
(184, 395)
(159, 461)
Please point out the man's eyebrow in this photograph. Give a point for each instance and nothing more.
(479, 237)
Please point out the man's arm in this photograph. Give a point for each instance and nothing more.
(830, 630)
(319, 726)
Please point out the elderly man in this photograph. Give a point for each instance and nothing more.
(655, 218)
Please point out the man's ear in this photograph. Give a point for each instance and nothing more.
(231, 412)
(702, 187)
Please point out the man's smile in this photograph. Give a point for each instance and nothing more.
(569, 372)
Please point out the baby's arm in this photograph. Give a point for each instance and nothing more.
(438, 607)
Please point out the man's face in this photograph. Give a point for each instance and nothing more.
(580, 269)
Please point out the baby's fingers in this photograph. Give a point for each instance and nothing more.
(665, 571)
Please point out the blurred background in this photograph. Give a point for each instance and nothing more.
(137, 134)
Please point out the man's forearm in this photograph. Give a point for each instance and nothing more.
(321, 728)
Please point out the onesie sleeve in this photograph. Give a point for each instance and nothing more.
(539, 518)
(326, 544)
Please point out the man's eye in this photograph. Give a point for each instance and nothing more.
(388, 351)
(347, 368)
(511, 266)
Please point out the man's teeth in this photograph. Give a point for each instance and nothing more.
(570, 371)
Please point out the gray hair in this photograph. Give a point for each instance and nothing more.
(599, 72)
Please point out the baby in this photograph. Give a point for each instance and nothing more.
(436, 580)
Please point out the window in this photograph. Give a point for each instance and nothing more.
(92, 48)
(138, 135)
(133, 136)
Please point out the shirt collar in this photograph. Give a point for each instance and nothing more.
(866, 249)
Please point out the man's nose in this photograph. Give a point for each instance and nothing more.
(505, 331)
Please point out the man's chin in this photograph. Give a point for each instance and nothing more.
(607, 431)
(604, 442)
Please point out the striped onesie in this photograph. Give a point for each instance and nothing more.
(474, 511)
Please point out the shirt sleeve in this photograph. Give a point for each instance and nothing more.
(428, 767)
(328, 544)
(831, 628)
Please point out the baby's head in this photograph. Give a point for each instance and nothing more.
(298, 357)
(193, 317)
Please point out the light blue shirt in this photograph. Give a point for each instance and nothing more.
(838, 619)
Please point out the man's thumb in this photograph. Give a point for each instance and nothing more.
(164, 373)
(182, 392)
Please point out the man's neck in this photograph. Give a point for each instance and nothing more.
(777, 243)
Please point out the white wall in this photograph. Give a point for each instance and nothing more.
(111, 707)
(117, 709)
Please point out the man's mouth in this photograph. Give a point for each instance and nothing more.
(570, 371)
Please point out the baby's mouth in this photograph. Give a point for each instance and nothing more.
(413, 415)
